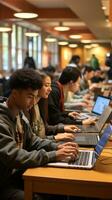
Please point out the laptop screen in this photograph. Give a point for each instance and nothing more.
(100, 104)
(103, 140)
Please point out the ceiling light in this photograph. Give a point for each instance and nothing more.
(48, 39)
(73, 45)
(25, 15)
(61, 27)
(5, 29)
(94, 45)
(86, 41)
(104, 8)
(63, 43)
(87, 46)
(75, 36)
(31, 34)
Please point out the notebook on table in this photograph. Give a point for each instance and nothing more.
(100, 104)
(99, 123)
(87, 158)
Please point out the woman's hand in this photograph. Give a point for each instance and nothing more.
(74, 114)
(90, 120)
(64, 136)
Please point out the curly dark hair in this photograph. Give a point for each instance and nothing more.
(24, 79)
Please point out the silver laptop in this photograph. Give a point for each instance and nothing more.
(99, 123)
(87, 158)
(100, 104)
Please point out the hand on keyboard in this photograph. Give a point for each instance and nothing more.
(82, 116)
(73, 160)
(90, 120)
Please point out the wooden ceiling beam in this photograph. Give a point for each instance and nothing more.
(5, 12)
(19, 4)
(110, 11)
(9, 7)
(56, 13)
(42, 12)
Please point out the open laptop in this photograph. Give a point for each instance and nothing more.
(87, 158)
(99, 123)
(100, 104)
(97, 91)
(87, 139)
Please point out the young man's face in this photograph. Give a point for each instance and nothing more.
(25, 99)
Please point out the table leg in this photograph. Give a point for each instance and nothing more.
(28, 190)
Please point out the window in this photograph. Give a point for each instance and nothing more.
(5, 53)
(13, 45)
(19, 47)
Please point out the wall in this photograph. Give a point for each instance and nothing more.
(100, 51)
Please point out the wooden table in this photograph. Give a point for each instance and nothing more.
(88, 183)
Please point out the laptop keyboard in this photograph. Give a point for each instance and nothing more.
(87, 139)
(83, 159)
(93, 139)
(90, 129)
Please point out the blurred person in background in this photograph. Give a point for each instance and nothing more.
(94, 62)
(29, 62)
(74, 61)
(108, 62)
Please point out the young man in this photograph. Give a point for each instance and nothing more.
(69, 81)
(19, 147)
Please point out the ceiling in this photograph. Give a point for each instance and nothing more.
(84, 17)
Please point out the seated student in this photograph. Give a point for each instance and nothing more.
(87, 88)
(19, 147)
(85, 82)
(37, 116)
(68, 81)
(98, 76)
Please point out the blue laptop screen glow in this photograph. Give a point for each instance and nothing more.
(100, 104)
(103, 140)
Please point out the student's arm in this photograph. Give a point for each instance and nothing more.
(54, 129)
(55, 115)
(32, 154)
